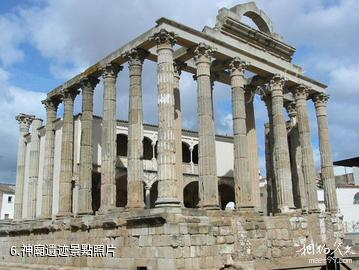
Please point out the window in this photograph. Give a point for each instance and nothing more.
(9, 199)
(6, 216)
(356, 198)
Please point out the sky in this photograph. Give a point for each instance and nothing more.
(44, 43)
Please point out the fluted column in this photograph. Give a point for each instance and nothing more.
(34, 166)
(67, 150)
(270, 161)
(24, 121)
(51, 106)
(252, 147)
(330, 195)
(269, 176)
(300, 95)
(178, 128)
(135, 176)
(166, 159)
(208, 183)
(108, 138)
(299, 190)
(242, 181)
(84, 199)
(281, 151)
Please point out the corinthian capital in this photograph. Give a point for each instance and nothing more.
(203, 51)
(111, 70)
(237, 67)
(178, 66)
(136, 56)
(164, 37)
(69, 94)
(301, 92)
(277, 82)
(291, 109)
(24, 121)
(89, 83)
(320, 99)
(51, 104)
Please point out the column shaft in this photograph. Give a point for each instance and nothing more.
(330, 195)
(281, 151)
(135, 178)
(108, 138)
(24, 121)
(178, 129)
(241, 172)
(308, 168)
(34, 167)
(207, 167)
(166, 159)
(84, 199)
(67, 148)
(51, 112)
(252, 148)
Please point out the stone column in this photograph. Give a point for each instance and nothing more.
(67, 154)
(148, 196)
(268, 169)
(135, 178)
(178, 66)
(207, 167)
(299, 190)
(252, 148)
(166, 159)
(330, 195)
(300, 95)
(270, 161)
(51, 114)
(84, 199)
(241, 172)
(281, 151)
(34, 166)
(24, 121)
(108, 138)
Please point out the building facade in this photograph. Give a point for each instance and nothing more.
(7, 201)
(78, 181)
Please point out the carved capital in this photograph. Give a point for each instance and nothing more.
(89, 83)
(291, 109)
(178, 66)
(164, 37)
(111, 70)
(51, 104)
(237, 67)
(203, 51)
(136, 56)
(320, 99)
(301, 92)
(69, 94)
(24, 121)
(277, 82)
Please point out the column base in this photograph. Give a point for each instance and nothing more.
(84, 213)
(167, 202)
(135, 205)
(211, 207)
(62, 215)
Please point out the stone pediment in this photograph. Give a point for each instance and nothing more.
(229, 22)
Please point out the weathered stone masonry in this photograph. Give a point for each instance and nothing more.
(114, 203)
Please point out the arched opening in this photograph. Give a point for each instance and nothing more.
(121, 191)
(190, 195)
(96, 191)
(122, 141)
(147, 148)
(195, 154)
(186, 153)
(226, 195)
(154, 194)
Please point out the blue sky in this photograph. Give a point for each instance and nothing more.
(44, 43)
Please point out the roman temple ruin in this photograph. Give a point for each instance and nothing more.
(157, 195)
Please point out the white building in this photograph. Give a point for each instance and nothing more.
(7, 201)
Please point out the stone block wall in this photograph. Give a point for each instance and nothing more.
(169, 239)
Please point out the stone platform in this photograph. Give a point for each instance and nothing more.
(172, 238)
